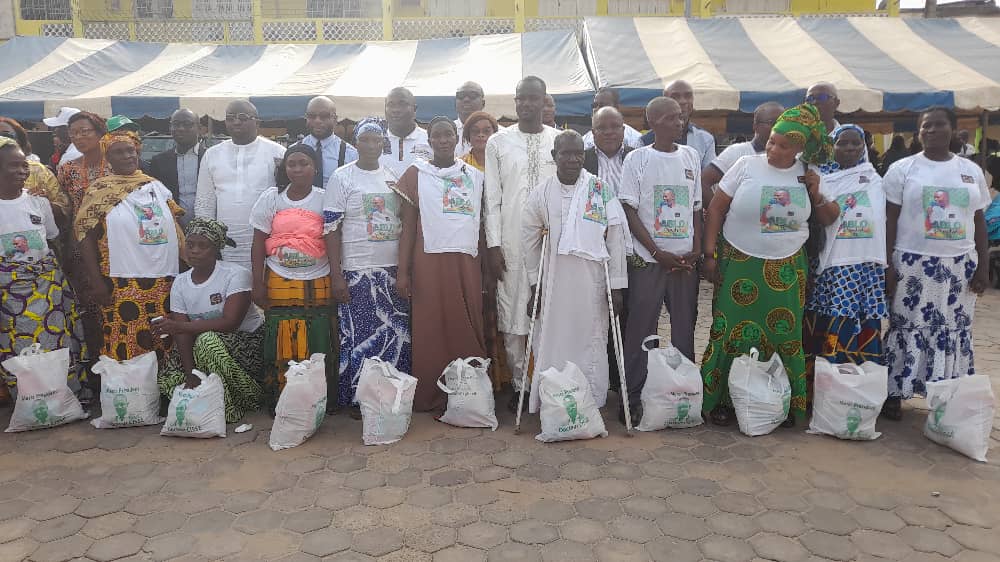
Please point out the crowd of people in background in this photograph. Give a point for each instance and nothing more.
(420, 246)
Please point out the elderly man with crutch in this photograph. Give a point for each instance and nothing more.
(574, 227)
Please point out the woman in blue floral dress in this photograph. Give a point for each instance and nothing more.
(846, 306)
(935, 225)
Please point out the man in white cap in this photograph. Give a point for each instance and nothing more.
(59, 125)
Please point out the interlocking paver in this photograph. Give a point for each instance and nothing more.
(429, 497)
(429, 539)
(877, 519)
(553, 511)
(244, 501)
(692, 505)
(669, 549)
(732, 525)
(883, 545)
(634, 530)
(533, 531)
(61, 550)
(778, 548)
(482, 535)
(618, 551)
(476, 494)
(645, 507)
(259, 521)
(52, 508)
(726, 549)
(460, 553)
(326, 541)
(924, 517)
(14, 529)
(455, 515)
(58, 528)
(173, 545)
(583, 530)
(567, 551)
(377, 542)
(930, 541)
(831, 521)
(829, 546)
(108, 525)
(683, 526)
(600, 509)
(308, 520)
(115, 547)
(514, 552)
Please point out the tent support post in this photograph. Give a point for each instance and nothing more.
(387, 20)
(984, 124)
(74, 7)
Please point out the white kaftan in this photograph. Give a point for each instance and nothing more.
(231, 179)
(515, 163)
(573, 321)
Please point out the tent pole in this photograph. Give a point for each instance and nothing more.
(984, 124)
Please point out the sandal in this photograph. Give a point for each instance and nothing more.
(721, 416)
(354, 412)
(893, 409)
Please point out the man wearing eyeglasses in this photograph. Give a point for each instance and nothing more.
(178, 167)
(469, 98)
(824, 96)
(233, 174)
(763, 120)
(321, 118)
(608, 97)
(693, 135)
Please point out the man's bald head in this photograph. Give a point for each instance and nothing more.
(321, 117)
(609, 129)
(764, 118)
(401, 111)
(184, 129)
(681, 92)
(241, 121)
(824, 96)
(567, 151)
(666, 118)
(469, 98)
(549, 111)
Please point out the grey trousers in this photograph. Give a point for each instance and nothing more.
(648, 288)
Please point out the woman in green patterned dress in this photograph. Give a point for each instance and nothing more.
(216, 328)
(758, 265)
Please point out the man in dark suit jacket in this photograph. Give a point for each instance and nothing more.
(178, 167)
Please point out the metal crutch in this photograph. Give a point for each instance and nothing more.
(616, 334)
(531, 333)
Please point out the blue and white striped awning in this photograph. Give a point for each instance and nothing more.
(877, 63)
(40, 74)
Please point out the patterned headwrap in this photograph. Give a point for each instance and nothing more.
(211, 229)
(803, 125)
(374, 125)
(120, 135)
(832, 165)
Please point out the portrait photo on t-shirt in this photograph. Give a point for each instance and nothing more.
(783, 209)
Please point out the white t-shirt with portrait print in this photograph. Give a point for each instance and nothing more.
(288, 262)
(142, 235)
(938, 203)
(768, 217)
(858, 234)
(665, 190)
(365, 205)
(26, 226)
(207, 301)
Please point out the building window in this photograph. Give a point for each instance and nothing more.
(153, 9)
(46, 10)
(222, 9)
(333, 9)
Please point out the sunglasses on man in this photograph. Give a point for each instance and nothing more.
(813, 98)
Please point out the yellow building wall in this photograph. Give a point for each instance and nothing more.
(101, 9)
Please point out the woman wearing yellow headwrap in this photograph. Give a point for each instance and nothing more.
(758, 265)
(130, 243)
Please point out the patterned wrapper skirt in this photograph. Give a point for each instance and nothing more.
(930, 325)
(843, 317)
(38, 306)
(758, 304)
(134, 304)
(376, 323)
(299, 322)
(235, 357)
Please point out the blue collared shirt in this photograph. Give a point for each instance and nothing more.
(331, 154)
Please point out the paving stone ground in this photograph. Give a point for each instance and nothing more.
(447, 494)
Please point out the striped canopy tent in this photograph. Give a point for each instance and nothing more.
(154, 79)
(877, 64)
